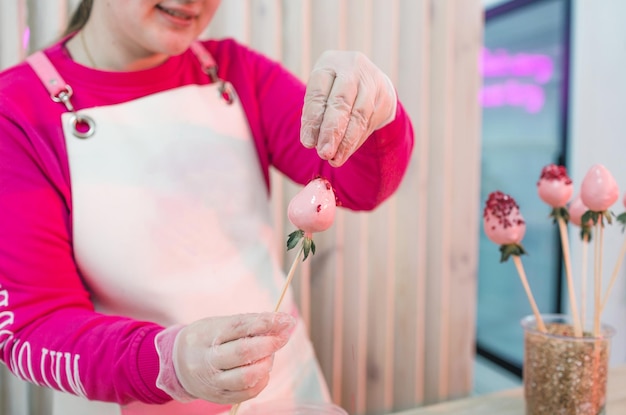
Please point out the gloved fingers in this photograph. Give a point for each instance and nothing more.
(236, 385)
(347, 98)
(244, 351)
(246, 394)
(358, 127)
(318, 89)
(250, 325)
(337, 115)
(214, 331)
(244, 378)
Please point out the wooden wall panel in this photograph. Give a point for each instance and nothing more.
(390, 294)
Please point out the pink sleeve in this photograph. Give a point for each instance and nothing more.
(49, 332)
(369, 177)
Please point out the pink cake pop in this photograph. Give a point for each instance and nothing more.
(554, 186)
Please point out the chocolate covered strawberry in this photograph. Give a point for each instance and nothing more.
(504, 225)
(555, 188)
(312, 210)
(576, 211)
(599, 191)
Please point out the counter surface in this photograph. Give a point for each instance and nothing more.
(511, 402)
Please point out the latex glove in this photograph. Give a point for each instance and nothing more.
(221, 359)
(347, 98)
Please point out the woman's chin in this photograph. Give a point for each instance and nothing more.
(177, 46)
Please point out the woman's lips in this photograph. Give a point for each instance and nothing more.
(177, 16)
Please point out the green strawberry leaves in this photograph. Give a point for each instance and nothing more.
(594, 216)
(308, 246)
(511, 249)
(560, 212)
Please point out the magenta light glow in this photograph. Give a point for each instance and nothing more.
(523, 77)
(26, 38)
(512, 93)
(501, 63)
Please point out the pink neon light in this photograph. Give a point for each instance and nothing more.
(512, 93)
(26, 38)
(501, 63)
(532, 72)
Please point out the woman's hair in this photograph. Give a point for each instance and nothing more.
(80, 17)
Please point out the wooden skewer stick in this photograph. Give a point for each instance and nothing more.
(618, 265)
(578, 332)
(234, 409)
(583, 291)
(292, 270)
(290, 275)
(597, 279)
(520, 270)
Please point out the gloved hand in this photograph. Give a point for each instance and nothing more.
(221, 359)
(347, 98)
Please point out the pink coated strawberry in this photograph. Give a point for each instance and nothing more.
(576, 211)
(503, 224)
(554, 186)
(502, 219)
(311, 210)
(599, 190)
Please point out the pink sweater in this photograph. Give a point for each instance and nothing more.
(46, 317)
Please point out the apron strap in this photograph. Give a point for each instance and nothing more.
(210, 68)
(48, 74)
(83, 126)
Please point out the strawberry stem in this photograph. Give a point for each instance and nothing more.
(307, 247)
(560, 213)
(294, 238)
(511, 249)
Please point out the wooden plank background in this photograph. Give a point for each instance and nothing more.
(390, 295)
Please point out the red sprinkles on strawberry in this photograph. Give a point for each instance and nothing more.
(503, 224)
(555, 187)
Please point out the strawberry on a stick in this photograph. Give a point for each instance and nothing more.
(555, 188)
(504, 225)
(576, 211)
(599, 191)
(311, 210)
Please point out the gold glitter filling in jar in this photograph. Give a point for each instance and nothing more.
(564, 374)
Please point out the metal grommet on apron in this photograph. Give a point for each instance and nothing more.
(83, 126)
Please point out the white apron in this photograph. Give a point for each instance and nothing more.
(171, 223)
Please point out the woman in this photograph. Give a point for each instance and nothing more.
(136, 261)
